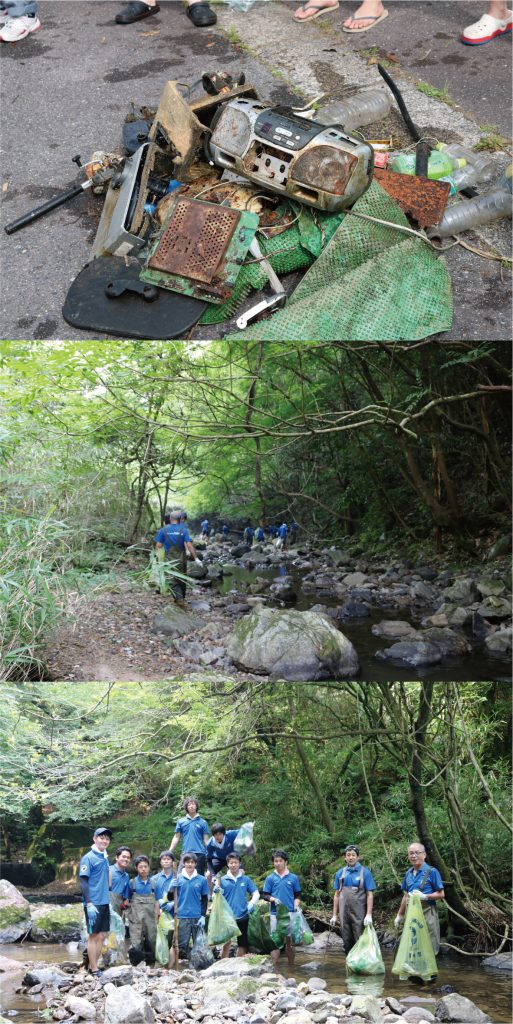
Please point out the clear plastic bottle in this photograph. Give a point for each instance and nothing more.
(240, 5)
(455, 150)
(467, 215)
(473, 173)
(363, 108)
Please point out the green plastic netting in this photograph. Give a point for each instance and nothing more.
(369, 283)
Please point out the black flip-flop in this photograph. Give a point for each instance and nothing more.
(201, 14)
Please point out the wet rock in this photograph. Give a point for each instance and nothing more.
(459, 1010)
(501, 547)
(339, 557)
(122, 975)
(353, 611)
(417, 1015)
(127, 1006)
(215, 571)
(8, 966)
(493, 608)
(283, 591)
(252, 967)
(438, 619)
(423, 593)
(447, 640)
(317, 984)
(412, 653)
(292, 645)
(56, 923)
(50, 976)
(501, 962)
(323, 939)
(354, 579)
(498, 644)
(14, 913)
(82, 1008)
(393, 629)
(490, 588)
(463, 592)
(176, 622)
(367, 1007)
(394, 1005)
(239, 550)
(288, 1001)
(314, 966)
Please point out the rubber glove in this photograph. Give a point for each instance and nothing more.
(198, 561)
(367, 919)
(92, 914)
(333, 921)
(422, 895)
(201, 922)
(278, 902)
(251, 908)
(398, 919)
(217, 888)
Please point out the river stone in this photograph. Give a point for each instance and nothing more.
(14, 912)
(393, 629)
(288, 1001)
(499, 643)
(239, 550)
(493, 608)
(352, 611)
(56, 923)
(418, 1014)
(423, 593)
(338, 557)
(490, 588)
(292, 645)
(501, 961)
(317, 1001)
(459, 1010)
(283, 591)
(126, 1006)
(8, 966)
(394, 1005)
(412, 652)
(82, 1008)
(122, 975)
(501, 547)
(462, 592)
(299, 1016)
(253, 966)
(367, 1007)
(161, 1001)
(175, 621)
(50, 976)
(447, 640)
(317, 984)
(354, 579)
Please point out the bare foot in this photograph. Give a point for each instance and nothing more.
(305, 13)
(368, 9)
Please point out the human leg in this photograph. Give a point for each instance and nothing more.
(367, 15)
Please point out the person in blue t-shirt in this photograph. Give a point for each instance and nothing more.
(259, 535)
(427, 882)
(226, 530)
(119, 880)
(162, 880)
(236, 887)
(248, 534)
(204, 529)
(282, 886)
(172, 542)
(218, 848)
(282, 536)
(354, 898)
(192, 892)
(294, 527)
(194, 833)
(144, 911)
(93, 875)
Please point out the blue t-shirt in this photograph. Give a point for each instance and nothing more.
(142, 888)
(249, 532)
(215, 852)
(285, 887)
(161, 883)
(412, 882)
(192, 831)
(260, 533)
(236, 891)
(204, 525)
(352, 878)
(174, 535)
(226, 529)
(120, 882)
(95, 867)
(283, 530)
(190, 891)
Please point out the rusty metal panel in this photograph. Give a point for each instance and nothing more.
(195, 240)
(422, 199)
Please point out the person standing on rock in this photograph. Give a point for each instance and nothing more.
(282, 886)
(218, 848)
(260, 535)
(193, 892)
(194, 833)
(248, 534)
(172, 542)
(144, 910)
(427, 882)
(282, 536)
(204, 529)
(93, 875)
(120, 880)
(354, 898)
(236, 887)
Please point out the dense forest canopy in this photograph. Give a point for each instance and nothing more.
(316, 765)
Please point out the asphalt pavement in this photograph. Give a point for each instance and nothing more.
(67, 88)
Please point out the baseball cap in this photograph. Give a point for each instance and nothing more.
(102, 831)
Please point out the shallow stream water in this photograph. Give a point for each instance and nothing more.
(489, 989)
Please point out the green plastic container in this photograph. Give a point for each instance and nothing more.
(439, 165)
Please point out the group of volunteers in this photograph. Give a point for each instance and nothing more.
(183, 891)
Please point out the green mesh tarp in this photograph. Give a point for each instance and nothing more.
(369, 283)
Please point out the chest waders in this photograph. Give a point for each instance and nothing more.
(432, 918)
(143, 922)
(116, 899)
(176, 558)
(352, 907)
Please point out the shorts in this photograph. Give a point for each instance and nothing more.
(102, 923)
(242, 925)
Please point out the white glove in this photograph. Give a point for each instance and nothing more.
(422, 895)
(277, 901)
(333, 921)
(367, 919)
(198, 561)
(201, 922)
(398, 919)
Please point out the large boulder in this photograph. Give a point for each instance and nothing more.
(449, 641)
(252, 966)
(175, 621)
(82, 1008)
(46, 976)
(127, 1006)
(494, 608)
(14, 913)
(367, 1007)
(499, 643)
(423, 593)
(292, 645)
(459, 1010)
(500, 961)
(490, 588)
(412, 652)
(463, 592)
(51, 923)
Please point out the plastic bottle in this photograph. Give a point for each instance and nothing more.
(240, 5)
(481, 169)
(505, 182)
(455, 150)
(439, 164)
(467, 215)
(363, 108)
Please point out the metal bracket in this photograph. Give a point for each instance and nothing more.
(125, 284)
(274, 301)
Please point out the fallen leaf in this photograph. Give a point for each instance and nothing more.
(156, 32)
(392, 57)
(5, 186)
(210, 44)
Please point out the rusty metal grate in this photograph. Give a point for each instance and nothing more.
(195, 240)
(424, 200)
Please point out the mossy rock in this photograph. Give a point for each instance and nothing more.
(51, 923)
(14, 912)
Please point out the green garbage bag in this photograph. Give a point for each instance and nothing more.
(415, 955)
(260, 936)
(301, 931)
(221, 923)
(157, 572)
(365, 957)
(164, 928)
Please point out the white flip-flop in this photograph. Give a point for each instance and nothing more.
(374, 21)
(320, 8)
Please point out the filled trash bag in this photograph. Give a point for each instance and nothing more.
(201, 956)
(113, 947)
(260, 936)
(164, 928)
(243, 843)
(365, 957)
(221, 923)
(415, 955)
(301, 932)
(157, 572)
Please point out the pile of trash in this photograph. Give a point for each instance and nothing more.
(215, 199)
